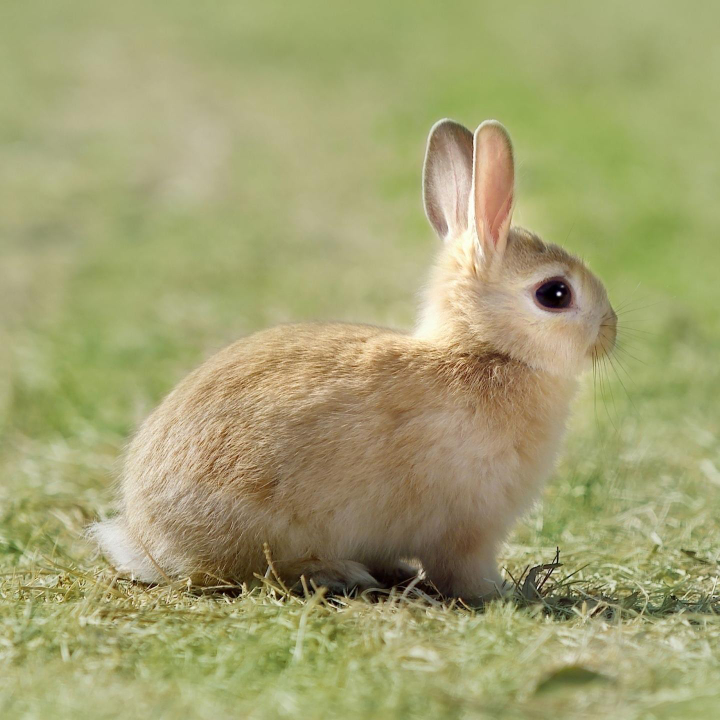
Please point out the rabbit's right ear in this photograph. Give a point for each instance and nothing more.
(493, 189)
(447, 178)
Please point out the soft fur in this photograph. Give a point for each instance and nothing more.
(347, 448)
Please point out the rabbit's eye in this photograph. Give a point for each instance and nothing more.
(554, 295)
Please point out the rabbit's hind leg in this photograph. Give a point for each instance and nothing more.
(338, 576)
(399, 573)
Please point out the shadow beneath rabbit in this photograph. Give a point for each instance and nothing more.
(539, 589)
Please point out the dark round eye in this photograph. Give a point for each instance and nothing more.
(554, 295)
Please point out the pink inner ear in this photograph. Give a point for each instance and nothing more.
(500, 218)
(494, 182)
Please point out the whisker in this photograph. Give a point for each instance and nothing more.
(572, 227)
(609, 384)
(622, 366)
(610, 407)
(621, 349)
(630, 342)
(617, 374)
(595, 389)
(623, 327)
(634, 333)
(604, 398)
(625, 345)
(629, 338)
(638, 309)
(625, 303)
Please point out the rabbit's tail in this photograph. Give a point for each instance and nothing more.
(124, 552)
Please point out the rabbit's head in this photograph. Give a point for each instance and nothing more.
(497, 287)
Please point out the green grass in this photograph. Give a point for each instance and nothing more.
(174, 175)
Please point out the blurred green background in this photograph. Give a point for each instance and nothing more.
(174, 175)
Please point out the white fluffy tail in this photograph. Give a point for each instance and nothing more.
(128, 557)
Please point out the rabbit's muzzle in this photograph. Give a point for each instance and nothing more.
(607, 334)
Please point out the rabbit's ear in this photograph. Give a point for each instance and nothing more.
(447, 178)
(493, 190)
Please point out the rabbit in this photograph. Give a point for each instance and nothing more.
(351, 449)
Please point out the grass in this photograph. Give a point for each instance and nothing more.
(176, 175)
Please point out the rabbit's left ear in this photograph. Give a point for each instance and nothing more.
(493, 190)
(447, 178)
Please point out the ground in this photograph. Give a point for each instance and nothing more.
(175, 175)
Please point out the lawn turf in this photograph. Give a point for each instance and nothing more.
(174, 175)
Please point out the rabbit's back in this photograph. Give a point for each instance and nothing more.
(255, 410)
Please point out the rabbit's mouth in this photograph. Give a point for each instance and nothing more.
(607, 334)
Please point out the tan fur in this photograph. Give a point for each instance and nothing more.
(343, 444)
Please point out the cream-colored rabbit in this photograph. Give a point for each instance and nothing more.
(347, 448)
